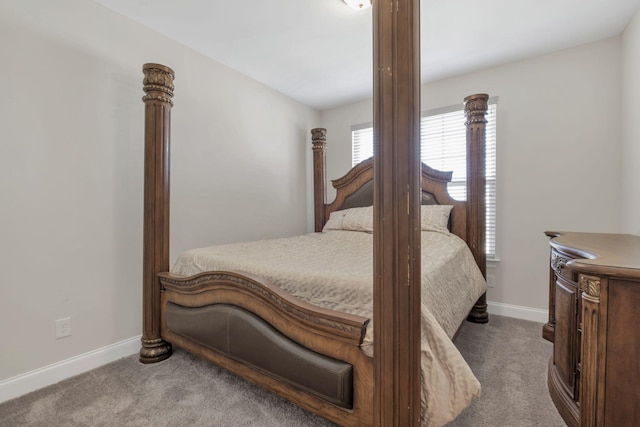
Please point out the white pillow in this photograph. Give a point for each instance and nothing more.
(353, 219)
(435, 218)
(335, 221)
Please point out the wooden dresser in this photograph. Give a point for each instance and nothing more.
(594, 324)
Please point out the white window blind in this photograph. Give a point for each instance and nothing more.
(443, 147)
(361, 142)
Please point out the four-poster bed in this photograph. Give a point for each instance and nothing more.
(310, 355)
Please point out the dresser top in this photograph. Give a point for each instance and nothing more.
(599, 253)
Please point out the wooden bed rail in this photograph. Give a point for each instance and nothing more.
(158, 85)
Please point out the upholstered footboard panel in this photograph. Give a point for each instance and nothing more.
(245, 337)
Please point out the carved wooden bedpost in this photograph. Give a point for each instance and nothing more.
(396, 213)
(319, 141)
(475, 109)
(158, 85)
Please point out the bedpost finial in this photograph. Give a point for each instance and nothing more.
(319, 138)
(158, 83)
(319, 134)
(475, 108)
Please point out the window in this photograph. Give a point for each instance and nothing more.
(443, 147)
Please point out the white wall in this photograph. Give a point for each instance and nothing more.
(338, 122)
(630, 176)
(71, 171)
(558, 154)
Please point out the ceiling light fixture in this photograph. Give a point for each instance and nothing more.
(358, 4)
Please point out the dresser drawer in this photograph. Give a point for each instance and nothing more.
(559, 265)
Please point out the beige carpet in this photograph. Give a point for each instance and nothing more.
(510, 359)
(508, 356)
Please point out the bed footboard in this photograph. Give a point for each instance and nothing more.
(332, 336)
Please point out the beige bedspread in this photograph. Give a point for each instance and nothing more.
(333, 269)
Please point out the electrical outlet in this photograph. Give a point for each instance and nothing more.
(63, 327)
(491, 280)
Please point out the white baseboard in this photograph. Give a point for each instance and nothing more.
(518, 311)
(25, 383)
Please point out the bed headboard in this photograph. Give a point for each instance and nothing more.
(355, 188)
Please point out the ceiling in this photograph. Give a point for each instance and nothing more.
(320, 51)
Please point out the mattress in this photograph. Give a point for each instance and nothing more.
(334, 270)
